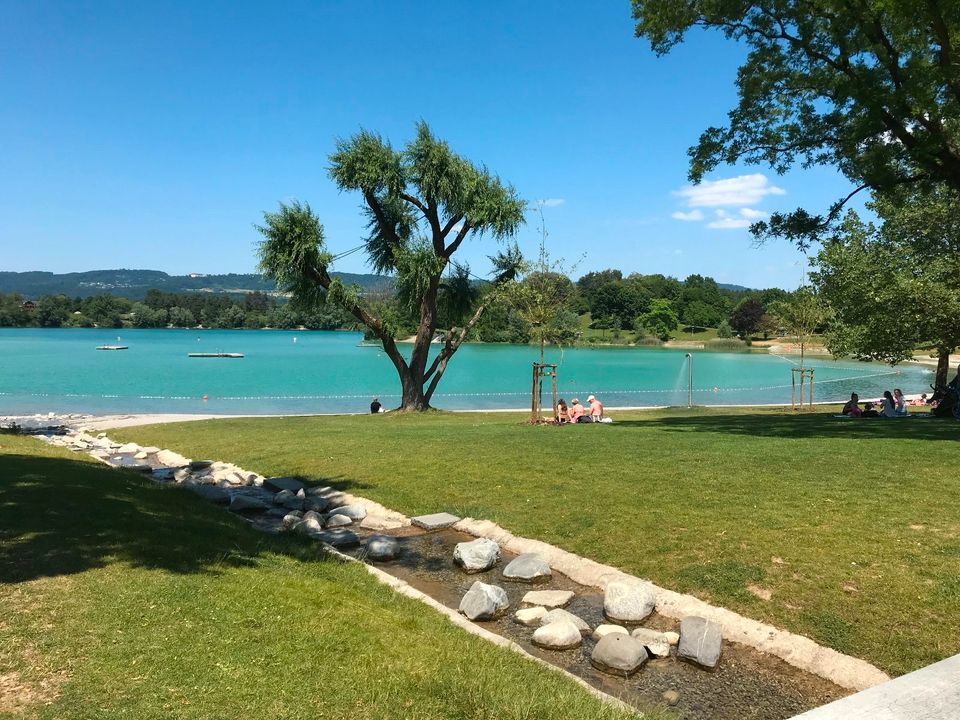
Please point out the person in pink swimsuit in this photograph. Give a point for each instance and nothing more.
(576, 411)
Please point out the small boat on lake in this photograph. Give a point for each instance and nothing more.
(215, 355)
(112, 347)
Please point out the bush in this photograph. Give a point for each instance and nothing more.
(648, 341)
(724, 330)
(725, 344)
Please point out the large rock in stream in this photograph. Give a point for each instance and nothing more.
(382, 547)
(484, 602)
(628, 601)
(700, 642)
(557, 635)
(528, 567)
(246, 504)
(477, 555)
(618, 654)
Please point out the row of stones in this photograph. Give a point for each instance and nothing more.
(313, 511)
(618, 651)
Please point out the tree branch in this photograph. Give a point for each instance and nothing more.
(452, 247)
(322, 278)
(945, 56)
(451, 223)
(386, 227)
(451, 345)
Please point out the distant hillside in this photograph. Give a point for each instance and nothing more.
(734, 288)
(133, 284)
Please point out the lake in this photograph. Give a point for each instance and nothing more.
(289, 372)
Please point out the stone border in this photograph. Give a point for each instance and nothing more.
(801, 652)
(461, 622)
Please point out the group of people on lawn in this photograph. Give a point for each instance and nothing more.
(577, 413)
(891, 405)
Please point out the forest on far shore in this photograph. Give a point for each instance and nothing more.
(600, 306)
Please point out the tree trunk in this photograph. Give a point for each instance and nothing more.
(943, 367)
(412, 397)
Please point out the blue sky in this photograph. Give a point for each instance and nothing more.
(154, 135)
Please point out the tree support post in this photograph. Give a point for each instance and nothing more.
(805, 376)
(541, 371)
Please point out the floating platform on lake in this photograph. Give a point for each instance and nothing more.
(112, 347)
(216, 355)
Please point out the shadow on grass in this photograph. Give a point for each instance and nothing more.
(819, 426)
(60, 516)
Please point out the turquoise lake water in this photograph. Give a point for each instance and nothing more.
(59, 370)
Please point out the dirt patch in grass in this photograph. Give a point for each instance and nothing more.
(18, 694)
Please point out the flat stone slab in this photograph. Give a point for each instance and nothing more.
(549, 598)
(931, 693)
(528, 567)
(283, 483)
(436, 521)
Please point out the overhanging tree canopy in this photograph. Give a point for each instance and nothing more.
(421, 203)
(871, 87)
(895, 287)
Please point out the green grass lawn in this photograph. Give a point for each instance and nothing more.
(123, 599)
(852, 527)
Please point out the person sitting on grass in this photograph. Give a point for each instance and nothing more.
(596, 409)
(900, 402)
(888, 406)
(563, 415)
(869, 410)
(852, 408)
(576, 411)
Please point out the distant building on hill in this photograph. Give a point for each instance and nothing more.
(29, 305)
(198, 275)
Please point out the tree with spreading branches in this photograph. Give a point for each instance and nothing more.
(870, 87)
(421, 204)
(895, 287)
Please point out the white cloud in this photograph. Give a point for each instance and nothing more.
(552, 202)
(751, 214)
(728, 223)
(744, 218)
(733, 192)
(688, 216)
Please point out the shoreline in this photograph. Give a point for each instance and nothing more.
(122, 420)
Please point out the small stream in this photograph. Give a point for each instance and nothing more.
(745, 684)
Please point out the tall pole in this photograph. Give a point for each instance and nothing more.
(689, 380)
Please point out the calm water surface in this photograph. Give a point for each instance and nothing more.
(59, 370)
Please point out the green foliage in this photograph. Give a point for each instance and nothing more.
(871, 88)
(802, 315)
(897, 287)
(143, 316)
(726, 344)
(661, 320)
(293, 253)
(181, 317)
(724, 330)
(768, 324)
(52, 310)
